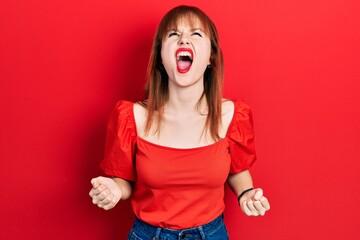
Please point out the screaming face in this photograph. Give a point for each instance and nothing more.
(185, 53)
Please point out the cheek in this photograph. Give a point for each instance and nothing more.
(206, 53)
(166, 58)
(206, 50)
(165, 53)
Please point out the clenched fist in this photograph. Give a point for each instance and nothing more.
(105, 192)
(254, 203)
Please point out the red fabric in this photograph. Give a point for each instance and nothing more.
(120, 143)
(177, 188)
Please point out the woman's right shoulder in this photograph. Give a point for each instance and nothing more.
(140, 112)
(139, 109)
(132, 114)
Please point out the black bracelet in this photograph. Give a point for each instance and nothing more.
(243, 193)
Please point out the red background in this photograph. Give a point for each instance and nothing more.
(63, 65)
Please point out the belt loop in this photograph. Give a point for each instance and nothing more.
(201, 232)
(158, 231)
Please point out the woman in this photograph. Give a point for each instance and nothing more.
(173, 152)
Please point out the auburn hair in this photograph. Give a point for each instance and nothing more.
(156, 91)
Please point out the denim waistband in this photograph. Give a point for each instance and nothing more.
(202, 230)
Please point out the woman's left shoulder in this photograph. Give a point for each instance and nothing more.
(235, 105)
(227, 109)
(233, 111)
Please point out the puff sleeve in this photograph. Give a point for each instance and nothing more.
(120, 143)
(241, 138)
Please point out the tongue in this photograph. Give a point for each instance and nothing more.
(183, 65)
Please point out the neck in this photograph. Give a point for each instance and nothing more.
(185, 99)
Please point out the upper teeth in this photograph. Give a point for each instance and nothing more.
(182, 54)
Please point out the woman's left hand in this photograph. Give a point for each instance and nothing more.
(254, 203)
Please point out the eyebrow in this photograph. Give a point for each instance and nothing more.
(192, 30)
(197, 29)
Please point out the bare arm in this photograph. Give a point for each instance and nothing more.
(125, 187)
(240, 182)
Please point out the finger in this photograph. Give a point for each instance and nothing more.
(245, 208)
(265, 203)
(258, 194)
(109, 203)
(108, 206)
(106, 200)
(98, 185)
(98, 181)
(95, 182)
(250, 205)
(101, 196)
(96, 191)
(105, 197)
(259, 208)
(93, 192)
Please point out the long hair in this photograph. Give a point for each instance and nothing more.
(157, 93)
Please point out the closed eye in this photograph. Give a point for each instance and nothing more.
(197, 34)
(173, 34)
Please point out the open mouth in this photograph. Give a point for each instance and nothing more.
(184, 59)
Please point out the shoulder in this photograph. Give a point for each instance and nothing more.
(139, 108)
(227, 106)
(234, 106)
(121, 119)
(140, 113)
(227, 113)
(227, 109)
(233, 112)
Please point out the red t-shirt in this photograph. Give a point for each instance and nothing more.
(177, 188)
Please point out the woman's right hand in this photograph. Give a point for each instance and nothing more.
(105, 192)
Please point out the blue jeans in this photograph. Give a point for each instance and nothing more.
(214, 230)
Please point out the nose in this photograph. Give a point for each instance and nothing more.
(183, 40)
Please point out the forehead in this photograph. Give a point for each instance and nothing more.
(188, 20)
